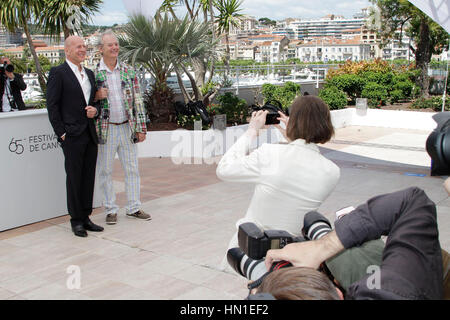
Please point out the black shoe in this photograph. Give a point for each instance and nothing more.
(90, 226)
(79, 230)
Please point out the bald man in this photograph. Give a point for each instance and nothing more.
(70, 98)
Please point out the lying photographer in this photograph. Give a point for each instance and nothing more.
(411, 265)
(291, 179)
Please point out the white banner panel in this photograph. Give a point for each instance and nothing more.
(438, 10)
(33, 186)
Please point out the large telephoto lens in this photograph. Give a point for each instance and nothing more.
(244, 265)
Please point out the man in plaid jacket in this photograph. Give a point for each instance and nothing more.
(120, 125)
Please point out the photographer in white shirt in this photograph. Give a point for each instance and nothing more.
(291, 179)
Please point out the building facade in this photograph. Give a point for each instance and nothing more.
(326, 50)
(10, 39)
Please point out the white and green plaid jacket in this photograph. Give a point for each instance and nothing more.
(132, 100)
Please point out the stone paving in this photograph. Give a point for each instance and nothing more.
(177, 254)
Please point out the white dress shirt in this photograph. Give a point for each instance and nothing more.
(6, 106)
(82, 79)
(116, 106)
(291, 180)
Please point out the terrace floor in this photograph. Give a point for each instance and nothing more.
(177, 255)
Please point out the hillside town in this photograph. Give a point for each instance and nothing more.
(330, 38)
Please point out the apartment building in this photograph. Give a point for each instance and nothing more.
(245, 23)
(10, 39)
(52, 53)
(330, 49)
(398, 49)
(328, 26)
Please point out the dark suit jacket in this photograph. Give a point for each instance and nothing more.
(66, 104)
(16, 86)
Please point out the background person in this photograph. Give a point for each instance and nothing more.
(11, 84)
(70, 96)
(120, 126)
(291, 179)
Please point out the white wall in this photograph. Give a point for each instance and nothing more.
(33, 179)
(31, 169)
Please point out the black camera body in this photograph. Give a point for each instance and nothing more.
(438, 145)
(272, 107)
(255, 242)
(247, 260)
(6, 67)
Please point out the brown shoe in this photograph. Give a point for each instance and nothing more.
(111, 218)
(141, 215)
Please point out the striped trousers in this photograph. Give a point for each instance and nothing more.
(119, 143)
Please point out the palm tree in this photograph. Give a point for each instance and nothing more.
(58, 13)
(163, 45)
(228, 16)
(16, 14)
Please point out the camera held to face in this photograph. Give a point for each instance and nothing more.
(272, 107)
(6, 67)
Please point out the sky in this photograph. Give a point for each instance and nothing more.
(116, 11)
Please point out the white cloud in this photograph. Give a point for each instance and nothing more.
(108, 18)
(281, 9)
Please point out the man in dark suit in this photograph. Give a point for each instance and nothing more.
(70, 97)
(11, 84)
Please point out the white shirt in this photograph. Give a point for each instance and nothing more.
(291, 180)
(6, 106)
(115, 100)
(82, 79)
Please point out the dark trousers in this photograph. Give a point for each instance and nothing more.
(80, 155)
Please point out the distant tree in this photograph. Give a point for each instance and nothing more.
(57, 15)
(163, 45)
(428, 36)
(228, 16)
(267, 22)
(16, 14)
(45, 63)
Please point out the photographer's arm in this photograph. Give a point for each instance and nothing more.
(18, 82)
(412, 259)
(447, 185)
(237, 164)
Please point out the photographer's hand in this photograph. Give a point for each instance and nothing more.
(285, 119)
(447, 185)
(307, 254)
(257, 122)
(10, 75)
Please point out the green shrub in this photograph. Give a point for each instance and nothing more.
(375, 93)
(351, 84)
(382, 78)
(235, 108)
(187, 122)
(396, 95)
(335, 98)
(207, 87)
(406, 87)
(285, 94)
(434, 103)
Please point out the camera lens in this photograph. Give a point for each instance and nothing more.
(244, 265)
